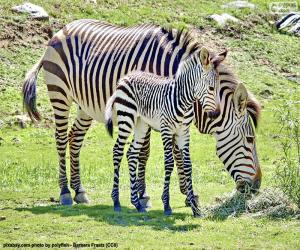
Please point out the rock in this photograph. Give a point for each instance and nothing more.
(91, 1)
(291, 78)
(16, 140)
(239, 5)
(33, 10)
(2, 218)
(223, 18)
(1, 124)
(22, 120)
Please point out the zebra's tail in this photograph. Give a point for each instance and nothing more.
(109, 115)
(29, 91)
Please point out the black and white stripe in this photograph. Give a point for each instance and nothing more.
(234, 130)
(143, 101)
(290, 22)
(83, 63)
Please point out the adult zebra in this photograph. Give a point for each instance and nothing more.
(82, 64)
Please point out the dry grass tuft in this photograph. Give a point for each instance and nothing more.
(269, 203)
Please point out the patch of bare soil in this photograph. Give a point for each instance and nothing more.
(20, 32)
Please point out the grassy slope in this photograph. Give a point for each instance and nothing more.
(260, 56)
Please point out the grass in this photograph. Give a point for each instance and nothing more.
(260, 56)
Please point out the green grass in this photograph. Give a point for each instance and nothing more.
(260, 56)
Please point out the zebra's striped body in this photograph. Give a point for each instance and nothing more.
(82, 64)
(234, 130)
(146, 101)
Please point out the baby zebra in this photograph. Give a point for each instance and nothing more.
(143, 101)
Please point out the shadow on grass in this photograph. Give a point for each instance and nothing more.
(128, 217)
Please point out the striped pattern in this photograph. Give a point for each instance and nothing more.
(143, 101)
(291, 23)
(234, 130)
(82, 64)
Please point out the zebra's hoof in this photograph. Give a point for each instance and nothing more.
(66, 199)
(117, 209)
(168, 212)
(198, 215)
(145, 202)
(196, 199)
(81, 198)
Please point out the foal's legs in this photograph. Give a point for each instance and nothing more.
(141, 183)
(181, 175)
(182, 140)
(167, 139)
(140, 132)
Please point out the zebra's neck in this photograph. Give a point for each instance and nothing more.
(207, 125)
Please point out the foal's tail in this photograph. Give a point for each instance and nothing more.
(109, 114)
(29, 91)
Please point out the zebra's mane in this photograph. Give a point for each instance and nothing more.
(230, 79)
(184, 65)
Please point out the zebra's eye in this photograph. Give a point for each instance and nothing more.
(250, 139)
(211, 88)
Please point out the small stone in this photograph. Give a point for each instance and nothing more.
(33, 10)
(223, 18)
(91, 1)
(1, 123)
(16, 228)
(291, 78)
(239, 5)
(2, 218)
(16, 140)
(22, 120)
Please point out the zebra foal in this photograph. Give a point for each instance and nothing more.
(143, 101)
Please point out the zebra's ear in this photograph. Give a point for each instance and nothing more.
(217, 60)
(240, 99)
(204, 56)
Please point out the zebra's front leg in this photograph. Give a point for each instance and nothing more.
(183, 145)
(143, 158)
(76, 137)
(169, 166)
(140, 133)
(181, 175)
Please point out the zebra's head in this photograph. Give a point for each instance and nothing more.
(207, 91)
(236, 145)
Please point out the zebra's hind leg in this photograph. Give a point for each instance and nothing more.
(140, 132)
(183, 145)
(76, 136)
(181, 175)
(61, 107)
(125, 129)
(143, 158)
(169, 166)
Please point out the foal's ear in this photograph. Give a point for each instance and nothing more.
(240, 99)
(219, 58)
(204, 56)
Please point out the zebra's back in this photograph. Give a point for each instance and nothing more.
(89, 57)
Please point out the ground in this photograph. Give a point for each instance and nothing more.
(261, 57)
